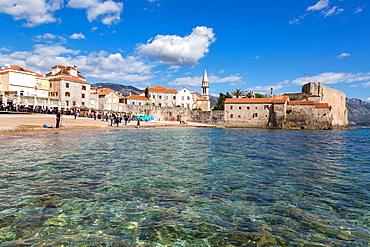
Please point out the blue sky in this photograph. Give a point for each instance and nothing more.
(243, 44)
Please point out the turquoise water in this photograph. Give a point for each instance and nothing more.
(186, 187)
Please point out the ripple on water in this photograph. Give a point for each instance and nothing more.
(186, 187)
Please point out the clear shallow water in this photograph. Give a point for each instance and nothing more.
(186, 187)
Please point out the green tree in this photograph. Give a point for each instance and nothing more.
(221, 101)
(237, 93)
(258, 95)
(147, 92)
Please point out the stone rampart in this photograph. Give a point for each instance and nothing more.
(208, 117)
(307, 117)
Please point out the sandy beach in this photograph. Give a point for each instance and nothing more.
(18, 124)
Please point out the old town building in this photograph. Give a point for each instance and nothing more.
(68, 86)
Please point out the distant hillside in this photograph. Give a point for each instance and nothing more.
(358, 112)
(124, 90)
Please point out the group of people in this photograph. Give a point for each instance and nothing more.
(114, 118)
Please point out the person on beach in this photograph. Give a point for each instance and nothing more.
(138, 123)
(57, 118)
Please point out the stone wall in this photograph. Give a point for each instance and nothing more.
(335, 98)
(307, 117)
(208, 117)
(159, 113)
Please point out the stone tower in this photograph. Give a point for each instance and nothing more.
(205, 88)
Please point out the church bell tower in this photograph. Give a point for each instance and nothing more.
(205, 88)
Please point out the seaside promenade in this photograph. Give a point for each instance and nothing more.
(16, 124)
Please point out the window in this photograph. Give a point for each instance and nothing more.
(255, 115)
(160, 104)
(83, 95)
(240, 107)
(256, 107)
(174, 97)
(248, 108)
(67, 85)
(188, 97)
(231, 107)
(160, 96)
(74, 103)
(133, 103)
(166, 97)
(67, 103)
(56, 94)
(231, 115)
(82, 103)
(183, 97)
(51, 84)
(239, 116)
(139, 103)
(68, 94)
(83, 88)
(153, 96)
(266, 107)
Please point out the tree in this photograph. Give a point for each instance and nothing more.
(147, 92)
(221, 101)
(237, 93)
(258, 95)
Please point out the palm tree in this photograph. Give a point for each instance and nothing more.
(237, 93)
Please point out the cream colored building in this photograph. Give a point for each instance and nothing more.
(184, 98)
(68, 86)
(136, 100)
(162, 96)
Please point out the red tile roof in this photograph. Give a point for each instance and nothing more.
(317, 105)
(322, 105)
(274, 100)
(136, 97)
(162, 89)
(302, 102)
(68, 78)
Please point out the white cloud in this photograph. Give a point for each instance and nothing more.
(109, 11)
(176, 50)
(332, 78)
(49, 38)
(35, 12)
(322, 4)
(265, 89)
(96, 65)
(333, 11)
(197, 80)
(344, 54)
(77, 36)
(359, 9)
(365, 85)
(4, 49)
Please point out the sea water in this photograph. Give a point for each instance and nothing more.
(186, 187)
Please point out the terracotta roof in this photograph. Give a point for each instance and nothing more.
(203, 99)
(317, 105)
(18, 68)
(68, 78)
(102, 91)
(136, 97)
(162, 89)
(322, 105)
(274, 100)
(314, 95)
(302, 102)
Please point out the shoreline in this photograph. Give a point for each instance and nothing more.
(14, 124)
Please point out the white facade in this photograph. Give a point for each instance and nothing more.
(184, 98)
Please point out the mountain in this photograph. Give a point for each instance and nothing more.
(358, 112)
(124, 90)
